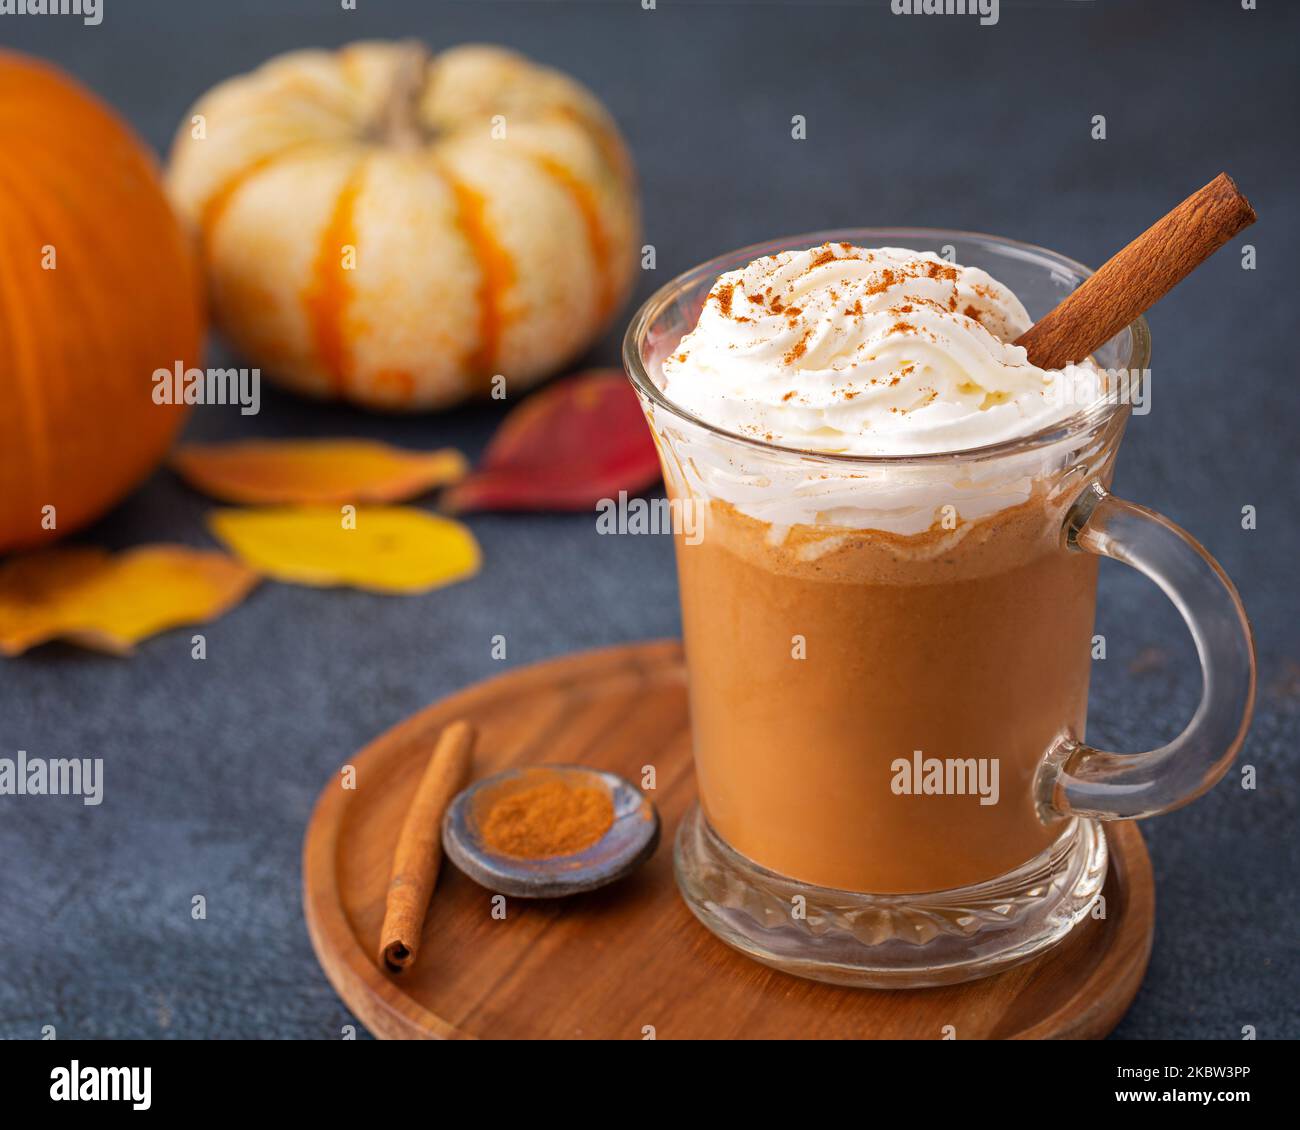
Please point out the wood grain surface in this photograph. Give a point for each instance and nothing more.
(628, 959)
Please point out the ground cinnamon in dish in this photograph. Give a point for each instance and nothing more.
(545, 818)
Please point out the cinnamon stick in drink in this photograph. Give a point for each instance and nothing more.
(419, 847)
(1134, 279)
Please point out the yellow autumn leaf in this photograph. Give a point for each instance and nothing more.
(109, 602)
(390, 549)
(312, 471)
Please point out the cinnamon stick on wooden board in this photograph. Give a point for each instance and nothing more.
(419, 847)
(1134, 279)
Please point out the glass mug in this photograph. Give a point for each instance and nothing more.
(888, 663)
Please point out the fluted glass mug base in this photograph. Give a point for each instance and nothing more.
(890, 941)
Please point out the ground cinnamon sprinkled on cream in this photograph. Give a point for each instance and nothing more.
(883, 283)
(872, 322)
(800, 347)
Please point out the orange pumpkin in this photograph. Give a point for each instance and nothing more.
(98, 289)
(396, 229)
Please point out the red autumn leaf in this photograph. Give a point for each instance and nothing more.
(566, 447)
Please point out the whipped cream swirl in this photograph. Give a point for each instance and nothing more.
(840, 349)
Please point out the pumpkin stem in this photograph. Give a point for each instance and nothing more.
(399, 121)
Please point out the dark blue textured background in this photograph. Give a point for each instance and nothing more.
(212, 768)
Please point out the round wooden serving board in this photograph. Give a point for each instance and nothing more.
(631, 960)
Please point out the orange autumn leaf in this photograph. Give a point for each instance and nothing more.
(263, 471)
(109, 602)
(388, 549)
(567, 447)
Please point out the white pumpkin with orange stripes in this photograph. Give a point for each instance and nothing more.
(396, 228)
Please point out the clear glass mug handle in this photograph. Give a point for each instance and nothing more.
(1076, 779)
